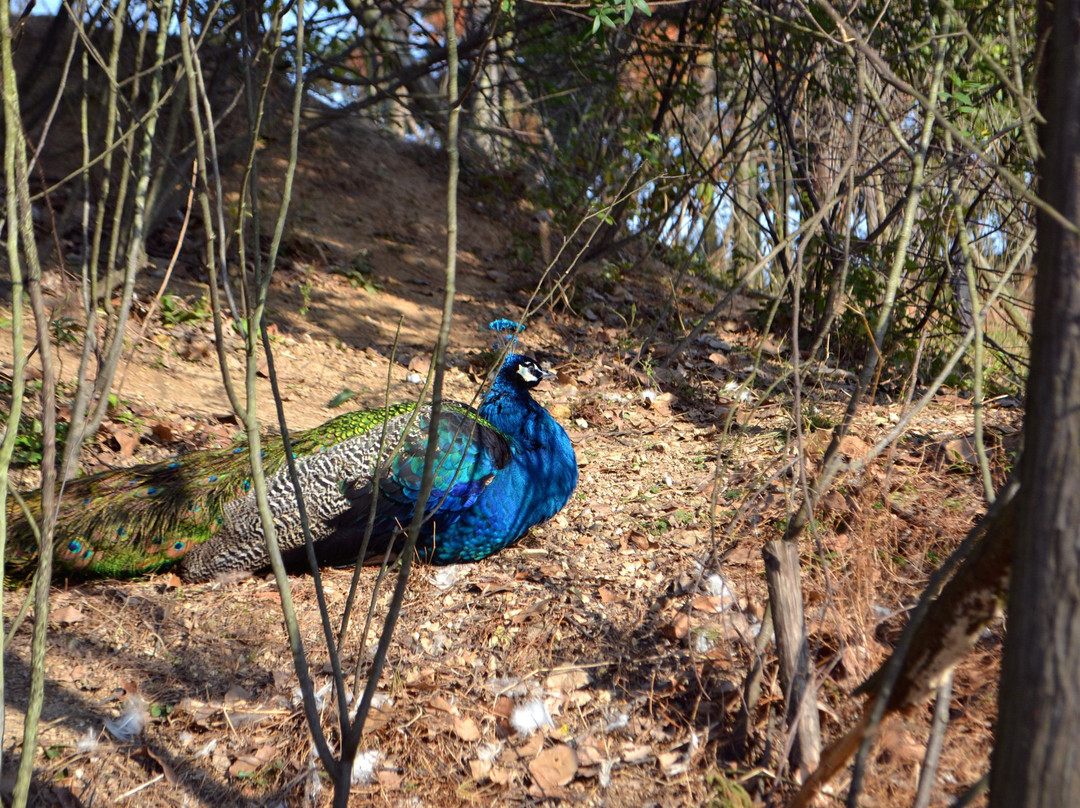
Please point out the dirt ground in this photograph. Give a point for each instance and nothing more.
(600, 661)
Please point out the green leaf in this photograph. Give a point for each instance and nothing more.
(341, 398)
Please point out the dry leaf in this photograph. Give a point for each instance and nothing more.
(745, 555)
(166, 769)
(163, 432)
(126, 439)
(504, 706)
(244, 766)
(531, 747)
(265, 753)
(566, 681)
(853, 447)
(72, 675)
(678, 628)
(66, 615)
(897, 743)
(672, 763)
(635, 753)
(235, 694)
(480, 770)
(388, 779)
(835, 502)
(441, 704)
(554, 767)
(589, 752)
(714, 604)
(466, 729)
(377, 718)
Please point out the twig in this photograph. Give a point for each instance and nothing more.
(976, 790)
(137, 789)
(935, 744)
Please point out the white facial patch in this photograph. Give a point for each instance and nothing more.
(527, 373)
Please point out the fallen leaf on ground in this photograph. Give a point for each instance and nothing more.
(166, 769)
(565, 681)
(466, 729)
(244, 766)
(480, 769)
(554, 767)
(66, 615)
(711, 603)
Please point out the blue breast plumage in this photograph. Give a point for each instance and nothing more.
(534, 485)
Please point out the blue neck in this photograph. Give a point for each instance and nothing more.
(511, 408)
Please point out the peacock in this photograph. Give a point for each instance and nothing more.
(500, 470)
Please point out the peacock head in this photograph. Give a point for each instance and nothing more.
(521, 372)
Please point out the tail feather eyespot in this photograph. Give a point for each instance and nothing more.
(75, 553)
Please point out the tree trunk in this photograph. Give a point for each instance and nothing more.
(1037, 757)
(793, 649)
